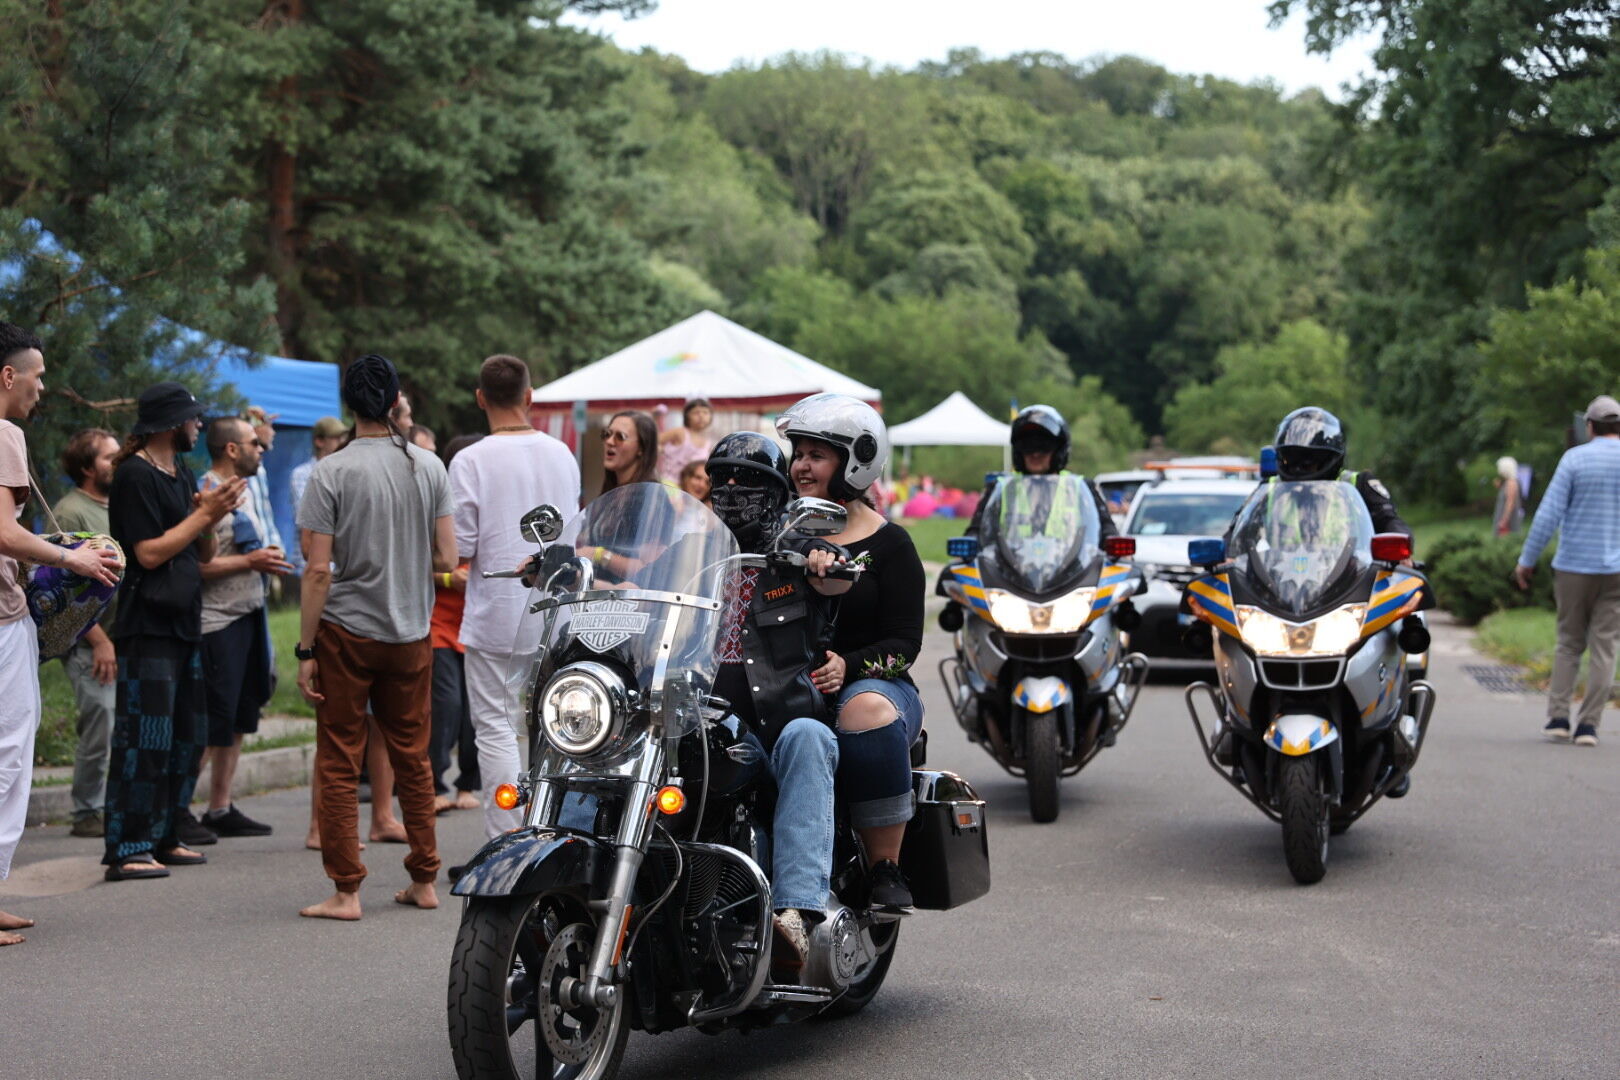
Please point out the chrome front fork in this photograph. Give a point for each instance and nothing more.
(612, 911)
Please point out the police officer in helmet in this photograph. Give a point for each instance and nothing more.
(1040, 447)
(1310, 446)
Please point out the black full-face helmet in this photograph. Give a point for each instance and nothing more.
(748, 478)
(1040, 429)
(1310, 445)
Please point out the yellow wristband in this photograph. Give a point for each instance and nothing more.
(601, 555)
(444, 579)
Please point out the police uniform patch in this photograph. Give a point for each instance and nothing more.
(1378, 486)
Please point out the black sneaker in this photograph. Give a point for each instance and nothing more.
(193, 833)
(889, 888)
(1585, 735)
(1402, 786)
(1557, 729)
(232, 822)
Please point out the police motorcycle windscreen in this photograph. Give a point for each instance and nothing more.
(1041, 532)
(1302, 547)
(628, 594)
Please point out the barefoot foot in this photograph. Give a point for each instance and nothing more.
(344, 906)
(466, 800)
(442, 803)
(387, 832)
(11, 939)
(419, 894)
(313, 842)
(9, 921)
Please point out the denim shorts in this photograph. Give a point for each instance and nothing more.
(901, 694)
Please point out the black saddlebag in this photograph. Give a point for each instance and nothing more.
(946, 854)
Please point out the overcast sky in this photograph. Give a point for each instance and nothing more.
(1230, 38)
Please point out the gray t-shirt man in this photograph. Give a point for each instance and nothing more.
(379, 511)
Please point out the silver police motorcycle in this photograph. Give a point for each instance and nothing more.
(1316, 716)
(632, 896)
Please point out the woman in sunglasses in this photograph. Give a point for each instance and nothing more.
(629, 450)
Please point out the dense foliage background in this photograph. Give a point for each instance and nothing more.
(1152, 252)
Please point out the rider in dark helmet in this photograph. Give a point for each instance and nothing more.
(775, 627)
(1311, 446)
(1040, 447)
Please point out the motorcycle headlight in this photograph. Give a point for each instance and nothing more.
(582, 708)
(1332, 634)
(1015, 615)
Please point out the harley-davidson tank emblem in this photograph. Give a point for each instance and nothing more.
(605, 624)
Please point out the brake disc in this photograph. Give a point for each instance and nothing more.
(572, 1035)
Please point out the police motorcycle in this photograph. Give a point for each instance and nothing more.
(1040, 676)
(632, 897)
(1311, 620)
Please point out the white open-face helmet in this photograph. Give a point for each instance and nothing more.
(852, 426)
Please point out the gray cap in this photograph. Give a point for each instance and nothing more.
(1603, 409)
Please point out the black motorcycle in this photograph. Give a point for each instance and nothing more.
(633, 896)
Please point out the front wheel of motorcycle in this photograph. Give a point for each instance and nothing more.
(1042, 767)
(1305, 821)
(861, 993)
(512, 957)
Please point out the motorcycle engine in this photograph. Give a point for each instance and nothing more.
(841, 951)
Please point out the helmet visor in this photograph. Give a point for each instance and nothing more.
(1306, 461)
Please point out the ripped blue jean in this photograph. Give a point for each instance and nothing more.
(874, 766)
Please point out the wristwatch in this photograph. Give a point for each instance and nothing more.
(302, 653)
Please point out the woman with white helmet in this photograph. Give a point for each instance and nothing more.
(840, 445)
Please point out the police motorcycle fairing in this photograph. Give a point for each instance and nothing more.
(1040, 676)
(633, 895)
(1311, 620)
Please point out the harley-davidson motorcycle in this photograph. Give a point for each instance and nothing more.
(632, 897)
(1312, 619)
(1040, 676)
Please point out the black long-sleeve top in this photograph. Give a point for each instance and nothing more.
(881, 616)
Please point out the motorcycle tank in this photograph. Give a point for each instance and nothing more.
(1301, 547)
(1041, 533)
(736, 758)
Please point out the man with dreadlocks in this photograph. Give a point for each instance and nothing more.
(379, 516)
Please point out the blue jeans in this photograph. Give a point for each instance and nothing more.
(804, 762)
(875, 765)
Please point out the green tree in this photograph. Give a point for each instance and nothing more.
(1539, 365)
(116, 160)
(929, 209)
(1256, 385)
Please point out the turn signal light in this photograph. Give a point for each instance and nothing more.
(671, 800)
(507, 796)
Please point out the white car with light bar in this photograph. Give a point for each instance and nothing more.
(1310, 618)
(1164, 517)
(1039, 675)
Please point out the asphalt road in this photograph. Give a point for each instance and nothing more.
(1472, 930)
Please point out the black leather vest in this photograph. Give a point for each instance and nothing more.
(783, 640)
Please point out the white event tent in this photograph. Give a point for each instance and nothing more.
(956, 421)
(746, 377)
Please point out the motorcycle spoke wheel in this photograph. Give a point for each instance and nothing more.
(1305, 818)
(512, 957)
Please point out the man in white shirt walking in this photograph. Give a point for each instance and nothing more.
(494, 483)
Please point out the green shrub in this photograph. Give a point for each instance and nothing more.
(1470, 575)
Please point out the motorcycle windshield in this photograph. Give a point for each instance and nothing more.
(1043, 529)
(649, 602)
(1301, 544)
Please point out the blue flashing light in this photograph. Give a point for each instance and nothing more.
(1206, 551)
(1268, 462)
(962, 547)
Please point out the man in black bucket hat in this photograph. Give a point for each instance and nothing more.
(165, 528)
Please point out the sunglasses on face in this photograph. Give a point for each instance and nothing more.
(609, 435)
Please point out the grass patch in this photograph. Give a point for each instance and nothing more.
(1527, 637)
(1431, 524)
(58, 731)
(930, 534)
(277, 742)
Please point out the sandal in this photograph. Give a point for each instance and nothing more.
(135, 867)
(172, 857)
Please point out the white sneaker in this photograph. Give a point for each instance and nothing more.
(792, 947)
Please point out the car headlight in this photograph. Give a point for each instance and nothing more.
(1015, 615)
(1332, 634)
(582, 708)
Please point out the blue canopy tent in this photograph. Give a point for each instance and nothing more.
(296, 392)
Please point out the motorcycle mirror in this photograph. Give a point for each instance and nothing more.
(815, 517)
(542, 525)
